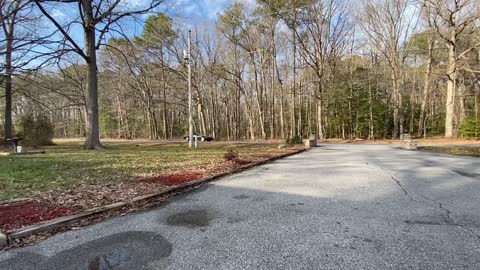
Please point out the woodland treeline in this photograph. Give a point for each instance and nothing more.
(279, 69)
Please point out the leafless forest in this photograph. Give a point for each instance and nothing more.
(277, 69)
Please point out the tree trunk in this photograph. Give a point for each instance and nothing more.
(476, 111)
(371, 135)
(280, 83)
(282, 115)
(272, 88)
(227, 114)
(250, 121)
(214, 111)
(319, 119)
(300, 106)
(426, 87)
(293, 114)
(201, 116)
(450, 104)
(461, 100)
(413, 101)
(8, 90)
(320, 112)
(164, 88)
(9, 32)
(396, 109)
(259, 96)
(93, 130)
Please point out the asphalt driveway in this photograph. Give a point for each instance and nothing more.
(334, 207)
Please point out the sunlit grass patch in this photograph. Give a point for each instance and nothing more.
(66, 166)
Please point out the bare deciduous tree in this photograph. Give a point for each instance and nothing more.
(17, 38)
(388, 24)
(97, 18)
(453, 20)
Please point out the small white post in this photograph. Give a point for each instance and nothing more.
(196, 141)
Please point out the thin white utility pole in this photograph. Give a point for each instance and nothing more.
(190, 116)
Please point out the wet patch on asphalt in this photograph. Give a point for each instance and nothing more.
(296, 204)
(467, 174)
(127, 250)
(241, 197)
(191, 218)
(110, 261)
(23, 260)
(376, 244)
(235, 220)
(457, 171)
(259, 199)
(430, 220)
(291, 208)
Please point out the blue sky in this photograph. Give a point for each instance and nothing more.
(203, 10)
(190, 12)
(200, 11)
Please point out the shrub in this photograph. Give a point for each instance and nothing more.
(470, 128)
(35, 131)
(231, 155)
(295, 140)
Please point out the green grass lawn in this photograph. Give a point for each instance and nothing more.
(473, 151)
(65, 165)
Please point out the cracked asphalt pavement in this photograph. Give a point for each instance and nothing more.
(333, 207)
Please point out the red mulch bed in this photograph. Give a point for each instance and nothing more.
(17, 215)
(172, 179)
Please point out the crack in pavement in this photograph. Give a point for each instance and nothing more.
(439, 205)
(448, 214)
(399, 184)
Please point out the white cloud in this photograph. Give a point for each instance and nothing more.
(199, 11)
(131, 4)
(58, 14)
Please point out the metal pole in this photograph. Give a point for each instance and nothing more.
(190, 116)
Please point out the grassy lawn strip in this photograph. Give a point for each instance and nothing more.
(65, 166)
(473, 151)
(67, 180)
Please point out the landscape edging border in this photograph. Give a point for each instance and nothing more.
(68, 220)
